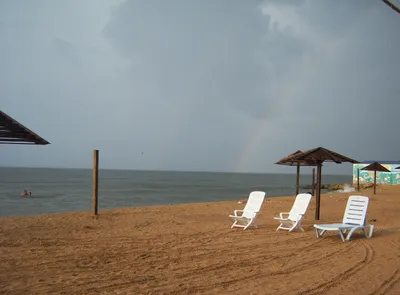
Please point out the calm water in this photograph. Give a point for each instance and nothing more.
(65, 190)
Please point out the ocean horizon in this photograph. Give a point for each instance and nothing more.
(164, 170)
(57, 190)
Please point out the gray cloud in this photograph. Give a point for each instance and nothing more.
(198, 51)
(200, 85)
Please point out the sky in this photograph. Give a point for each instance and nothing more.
(202, 85)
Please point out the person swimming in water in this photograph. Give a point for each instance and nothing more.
(25, 193)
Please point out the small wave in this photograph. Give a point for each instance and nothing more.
(346, 189)
(34, 196)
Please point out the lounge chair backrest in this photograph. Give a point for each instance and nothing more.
(300, 206)
(356, 210)
(254, 203)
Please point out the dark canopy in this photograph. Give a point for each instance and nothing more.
(375, 166)
(392, 6)
(13, 132)
(291, 161)
(321, 154)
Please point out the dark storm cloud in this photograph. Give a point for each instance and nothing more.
(202, 50)
(200, 85)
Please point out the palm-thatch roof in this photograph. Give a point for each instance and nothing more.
(13, 132)
(320, 154)
(291, 161)
(392, 6)
(375, 166)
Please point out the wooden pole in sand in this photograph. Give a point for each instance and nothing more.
(318, 192)
(95, 181)
(313, 182)
(298, 179)
(374, 182)
(358, 179)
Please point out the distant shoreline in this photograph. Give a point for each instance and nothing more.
(174, 171)
(143, 207)
(235, 201)
(70, 190)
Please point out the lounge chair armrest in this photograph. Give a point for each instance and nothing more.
(281, 219)
(236, 212)
(249, 215)
(284, 213)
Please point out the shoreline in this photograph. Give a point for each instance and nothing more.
(102, 211)
(305, 190)
(235, 201)
(71, 191)
(167, 205)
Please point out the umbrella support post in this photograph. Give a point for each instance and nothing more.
(297, 179)
(313, 182)
(318, 192)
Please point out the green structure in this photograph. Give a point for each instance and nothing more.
(392, 177)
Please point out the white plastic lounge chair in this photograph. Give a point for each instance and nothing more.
(249, 213)
(354, 218)
(295, 216)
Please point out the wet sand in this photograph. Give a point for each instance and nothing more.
(191, 249)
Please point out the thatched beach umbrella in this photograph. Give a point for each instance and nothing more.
(290, 161)
(318, 156)
(375, 166)
(13, 132)
(392, 6)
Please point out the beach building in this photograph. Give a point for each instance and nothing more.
(392, 177)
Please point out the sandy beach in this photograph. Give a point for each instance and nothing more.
(191, 249)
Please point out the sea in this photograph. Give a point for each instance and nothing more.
(70, 190)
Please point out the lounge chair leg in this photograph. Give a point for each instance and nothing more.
(365, 232)
(234, 224)
(348, 237)
(319, 234)
(341, 235)
(250, 223)
(298, 225)
(295, 225)
(371, 231)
